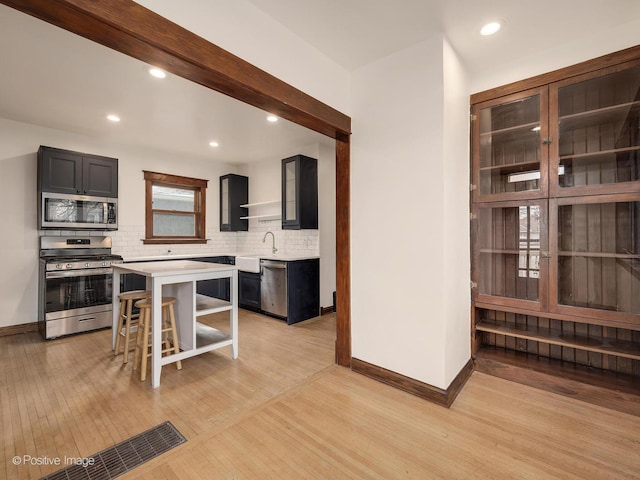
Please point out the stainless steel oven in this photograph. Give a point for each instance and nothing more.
(76, 285)
(65, 211)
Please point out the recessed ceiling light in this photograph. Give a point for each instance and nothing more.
(156, 72)
(113, 118)
(490, 28)
(272, 118)
(214, 144)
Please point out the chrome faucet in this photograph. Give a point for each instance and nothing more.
(273, 237)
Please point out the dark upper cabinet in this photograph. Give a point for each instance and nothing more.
(234, 192)
(299, 193)
(65, 171)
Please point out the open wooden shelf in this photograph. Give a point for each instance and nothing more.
(607, 346)
(616, 391)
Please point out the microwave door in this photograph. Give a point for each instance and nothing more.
(60, 211)
(94, 212)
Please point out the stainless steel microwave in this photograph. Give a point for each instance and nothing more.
(64, 211)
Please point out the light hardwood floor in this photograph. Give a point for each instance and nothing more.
(283, 410)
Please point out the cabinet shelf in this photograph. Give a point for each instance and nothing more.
(625, 256)
(263, 217)
(597, 155)
(208, 305)
(607, 346)
(509, 131)
(506, 169)
(260, 204)
(599, 116)
(209, 338)
(509, 251)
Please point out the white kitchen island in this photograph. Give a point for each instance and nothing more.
(177, 278)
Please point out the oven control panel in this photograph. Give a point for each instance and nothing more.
(82, 265)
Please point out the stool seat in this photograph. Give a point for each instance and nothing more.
(169, 333)
(127, 320)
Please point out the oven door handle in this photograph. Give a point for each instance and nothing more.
(79, 273)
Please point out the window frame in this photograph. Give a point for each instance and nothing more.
(199, 188)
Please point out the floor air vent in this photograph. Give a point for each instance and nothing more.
(123, 457)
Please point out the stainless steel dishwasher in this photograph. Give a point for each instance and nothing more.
(273, 287)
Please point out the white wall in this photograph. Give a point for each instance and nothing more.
(398, 257)
(456, 228)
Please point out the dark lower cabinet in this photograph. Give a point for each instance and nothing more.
(249, 291)
(219, 287)
(303, 290)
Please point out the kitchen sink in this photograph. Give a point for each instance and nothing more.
(248, 263)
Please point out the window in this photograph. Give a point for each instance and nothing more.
(175, 209)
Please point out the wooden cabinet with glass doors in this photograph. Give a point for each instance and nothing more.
(556, 226)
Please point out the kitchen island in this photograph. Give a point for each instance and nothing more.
(177, 278)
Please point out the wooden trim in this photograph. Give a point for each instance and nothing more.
(175, 179)
(415, 387)
(18, 329)
(172, 241)
(558, 316)
(571, 380)
(605, 61)
(326, 310)
(343, 252)
(199, 188)
(129, 28)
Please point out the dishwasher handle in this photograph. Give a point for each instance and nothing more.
(277, 267)
(272, 264)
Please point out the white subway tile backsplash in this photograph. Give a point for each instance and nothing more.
(127, 241)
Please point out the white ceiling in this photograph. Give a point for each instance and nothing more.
(52, 78)
(355, 32)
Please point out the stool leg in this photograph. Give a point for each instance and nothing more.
(174, 335)
(145, 344)
(120, 319)
(139, 338)
(127, 331)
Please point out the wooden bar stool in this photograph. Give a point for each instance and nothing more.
(169, 333)
(127, 321)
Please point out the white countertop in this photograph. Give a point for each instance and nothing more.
(284, 258)
(172, 267)
(181, 256)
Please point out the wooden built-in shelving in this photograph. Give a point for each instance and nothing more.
(556, 257)
(607, 346)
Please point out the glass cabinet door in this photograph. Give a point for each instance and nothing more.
(510, 242)
(224, 201)
(509, 153)
(290, 194)
(597, 246)
(597, 127)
